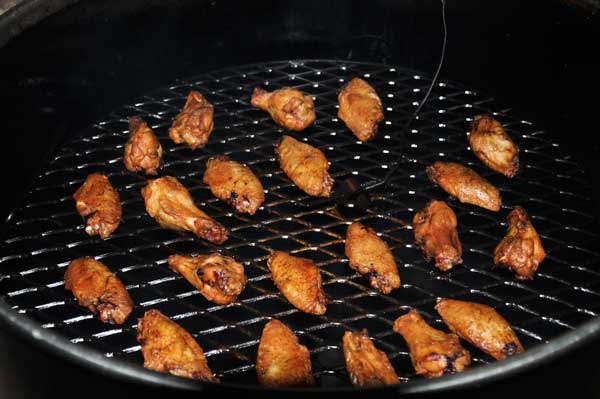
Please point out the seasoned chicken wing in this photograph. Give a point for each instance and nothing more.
(521, 249)
(168, 348)
(171, 205)
(480, 325)
(436, 234)
(143, 151)
(305, 165)
(465, 184)
(433, 352)
(288, 107)
(99, 290)
(493, 147)
(370, 255)
(365, 363)
(299, 280)
(194, 124)
(281, 360)
(235, 184)
(96, 197)
(360, 108)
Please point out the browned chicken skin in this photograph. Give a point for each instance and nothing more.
(360, 108)
(521, 249)
(433, 352)
(99, 290)
(235, 184)
(493, 147)
(370, 255)
(288, 107)
(299, 280)
(367, 366)
(143, 151)
(281, 360)
(480, 325)
(194, 124)
(171, 205)
(436, 234)
(465, 184)
(96, 197)
(219, 279)
(168, 348)
(305, 165)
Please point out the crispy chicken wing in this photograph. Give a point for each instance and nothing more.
(365, 363)
(493, 147)
(171, 205)
(465, 184)
(288, 107)
(143, 151)
(521, 249)
(99, 290)
(194, 124)
(96, 197)
(370, 255)
(360, 108)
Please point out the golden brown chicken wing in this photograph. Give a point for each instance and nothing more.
(465, 184)
(305, 165)
(281, 360)
(235, 184)
(171, 205)
(480, 325)
(194, 124)
(167, 347)
(143, 151)
(288, 107)
(299, 280)
(96, 197)
(493, 147)
(436, 234)
(521, 249)
(433, 352)
(370, 255)
(360, 108)
(99, 290)
(367, 366)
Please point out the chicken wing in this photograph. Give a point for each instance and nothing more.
(305, 165)
(235, 184)
(367, 366)
(521, 249)
(436, 234)
(370, 255)
(433, 352)
(288, 107)
(281, 360)
(99, 290)
(143, 151)
(171, 205)
(299, 280)
(167, 347)
(465, 184)
(96, 197)
(194, 124)
(480, 325)
(360, 108)
(493, 147)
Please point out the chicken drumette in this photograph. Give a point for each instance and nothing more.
(288, 107)
(96, 197)
(360, 108)
(366, 365)
(195, 122)
(143, 151)
(493, 147)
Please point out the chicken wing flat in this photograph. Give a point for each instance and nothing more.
(219, 279)
(480, 325)
(465, 184)
(288, 107)
(493, 147)
(171, 205)
(360, 108)
(281, 360)
(96, 197)
(168, 348)
(436, 234)
(194, 124)
(367, 366)
(306, 166)
(143, 151)
(370, 255)
(433, 352)
(299, 280)
(99, 290)
(235, 184)
(521, 249)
